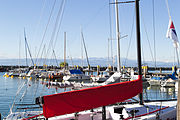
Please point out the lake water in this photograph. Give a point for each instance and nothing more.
(34, 88)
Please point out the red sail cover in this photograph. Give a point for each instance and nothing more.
(85, 99)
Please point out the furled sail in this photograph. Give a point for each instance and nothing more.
(85, 99)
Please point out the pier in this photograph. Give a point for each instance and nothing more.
(158, 71)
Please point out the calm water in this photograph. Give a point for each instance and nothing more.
(10, 86)
(34, 88)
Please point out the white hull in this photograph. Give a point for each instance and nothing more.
(168, 113)
(155, 82)
(76, 78)
(21, 115)
(168, 83)
(149, 111)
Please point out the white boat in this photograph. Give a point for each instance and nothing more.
(35, 73)
(76, 75)
(21, 115)
(168, 83)
(78, 104)
(99, 78)
(155, 81)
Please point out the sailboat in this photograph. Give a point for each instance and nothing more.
(62, 105)
(82, 104)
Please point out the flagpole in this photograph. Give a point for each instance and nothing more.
(168, 9)
(174, 43)
(177, 54)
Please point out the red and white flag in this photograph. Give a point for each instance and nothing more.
(171, 33)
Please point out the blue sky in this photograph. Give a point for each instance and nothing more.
(93, 17)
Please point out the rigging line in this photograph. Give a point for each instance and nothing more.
(26, 53)
(40, 59)
(62, 14)
(49, 61)
(17, 93)
(154, 34)
(129, 41)
(110, 30)
(55, 57)
(111, 19)
(108, 62)
(37, 86)
(40, 18)
(81, 42)
(93, 17)
(55, 29)
(19, 51)
(49, 19)
(147, 38)
(44, 61)
(143, 60)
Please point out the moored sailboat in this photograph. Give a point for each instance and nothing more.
(68, 105)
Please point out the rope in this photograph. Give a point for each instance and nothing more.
(46, 29)
(129, 41)
(62, 13)
(40, 18)
(110, 31)
(32, 117)
(147, 38)
(55, 29)
(154, 34)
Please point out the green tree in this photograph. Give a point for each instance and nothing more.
(62, 64)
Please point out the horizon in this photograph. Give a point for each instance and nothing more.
(94, 19)
(78, 61)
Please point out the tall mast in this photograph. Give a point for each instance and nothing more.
(27, 47)
(19, 52)
(118, 37)
(138, 45)
(65, 50)
(81, 48)
(85, 50)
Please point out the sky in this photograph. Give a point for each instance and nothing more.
(95, 18)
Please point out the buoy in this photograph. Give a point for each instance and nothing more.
(4, 76)
(24, 77)
(12, 76)
(7, 75)
(30, 78)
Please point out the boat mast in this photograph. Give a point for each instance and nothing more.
(138, 46)
(27, 47)
(85, 50)
(118, 37)
(64, 50)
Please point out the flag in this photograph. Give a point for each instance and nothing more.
(171, 33)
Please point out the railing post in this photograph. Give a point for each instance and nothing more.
(178, 99)
(104, 113)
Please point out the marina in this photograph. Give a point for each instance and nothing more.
(144, 85)
(42, 86)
